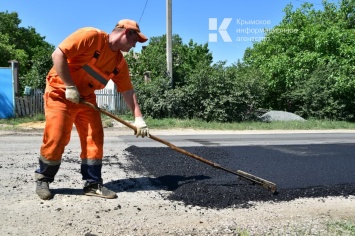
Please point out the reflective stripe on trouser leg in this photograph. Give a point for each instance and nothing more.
(91, 171)
(46, 172)
(56, 135)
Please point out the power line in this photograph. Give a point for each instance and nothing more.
(146, 2)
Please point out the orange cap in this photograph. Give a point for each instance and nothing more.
(131, 24)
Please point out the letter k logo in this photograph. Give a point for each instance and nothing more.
(212, 25)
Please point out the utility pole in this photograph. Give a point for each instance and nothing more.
(169, 60)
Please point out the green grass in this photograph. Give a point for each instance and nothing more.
(203, 125)
(329, 228)
(12, 123)
(342, 227)
(291, 125)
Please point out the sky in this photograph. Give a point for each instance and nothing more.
(228, 26)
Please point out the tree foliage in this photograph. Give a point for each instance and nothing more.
(186, 58)
(305, 65)
(27, 47)
(202, 90)
(308, 47)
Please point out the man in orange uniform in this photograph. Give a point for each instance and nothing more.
(84, 62)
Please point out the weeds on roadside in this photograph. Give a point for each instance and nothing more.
(341, 228)
(290, 125)
(21, 120)
(330, 228)
(170, 123)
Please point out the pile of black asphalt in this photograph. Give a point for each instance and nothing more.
(314, 171)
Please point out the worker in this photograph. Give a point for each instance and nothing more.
(84, 62)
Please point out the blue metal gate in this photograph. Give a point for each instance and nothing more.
(7, 96)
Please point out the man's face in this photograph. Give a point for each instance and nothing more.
(124, 40)
(131, 39)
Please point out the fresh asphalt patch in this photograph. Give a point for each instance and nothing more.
(299, 171)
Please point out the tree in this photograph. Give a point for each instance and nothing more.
(9, 51)
(306, 42)
(203, 90)
(186, 58)
(27, 47)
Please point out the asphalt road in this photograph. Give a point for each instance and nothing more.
(243, 139)
(301, 165)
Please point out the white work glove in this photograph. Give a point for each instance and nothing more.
(142, 129)
(72, 94)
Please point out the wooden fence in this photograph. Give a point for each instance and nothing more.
(29, 105)
(108, 99)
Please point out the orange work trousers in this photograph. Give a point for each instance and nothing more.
(61, 114)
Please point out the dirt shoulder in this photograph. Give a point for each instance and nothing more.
(140, 209)
(123, 130)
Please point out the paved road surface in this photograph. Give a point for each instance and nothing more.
(302, 165)
(243, 139)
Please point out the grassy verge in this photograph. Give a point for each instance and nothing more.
(12, 123)
(203, 125)
(342, 227)
(291, 125)
(330, 228)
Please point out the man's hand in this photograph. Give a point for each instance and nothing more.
(72, 94)
(142, 129)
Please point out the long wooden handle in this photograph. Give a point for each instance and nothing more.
(244, 175)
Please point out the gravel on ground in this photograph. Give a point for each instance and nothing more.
(141, 208)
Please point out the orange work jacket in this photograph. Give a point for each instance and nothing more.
(91, 63)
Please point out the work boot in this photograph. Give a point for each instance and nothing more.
(98, 190)
(42, 190)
